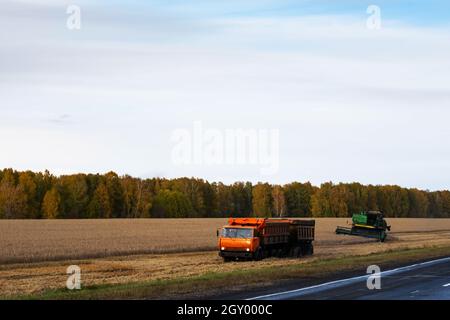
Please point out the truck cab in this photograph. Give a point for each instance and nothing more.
(238, 241)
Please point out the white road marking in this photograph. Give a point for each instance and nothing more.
(343, 282)
(446, 285)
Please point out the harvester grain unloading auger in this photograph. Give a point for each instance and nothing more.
(367, 224)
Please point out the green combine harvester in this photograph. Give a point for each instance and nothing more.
(367, 224)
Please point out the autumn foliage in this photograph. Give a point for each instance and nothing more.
(30, 195)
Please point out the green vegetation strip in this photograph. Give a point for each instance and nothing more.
(221, 281)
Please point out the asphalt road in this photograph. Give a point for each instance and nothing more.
(423, 281)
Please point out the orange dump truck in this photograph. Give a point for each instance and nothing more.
(255, 238)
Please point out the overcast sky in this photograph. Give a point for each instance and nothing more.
(350, 103)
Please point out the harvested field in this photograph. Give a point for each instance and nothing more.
(16, 279)
(51, 240)
(38, 241)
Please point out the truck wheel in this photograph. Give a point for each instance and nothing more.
(291, 252)
(259, 254)
(301, 252)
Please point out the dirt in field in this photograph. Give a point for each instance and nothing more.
(38, 276)
(47, 240)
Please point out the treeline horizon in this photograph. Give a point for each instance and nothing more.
(41, 195)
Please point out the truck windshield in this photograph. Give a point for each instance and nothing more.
(237, 233)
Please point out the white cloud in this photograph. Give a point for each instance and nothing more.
(351, 104)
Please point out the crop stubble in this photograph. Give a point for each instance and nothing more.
(34, 255)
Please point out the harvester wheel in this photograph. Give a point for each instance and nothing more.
(382, 236)
(227, 259)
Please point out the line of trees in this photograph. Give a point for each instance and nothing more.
(30, 195)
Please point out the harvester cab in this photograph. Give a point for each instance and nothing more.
(369, 224)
